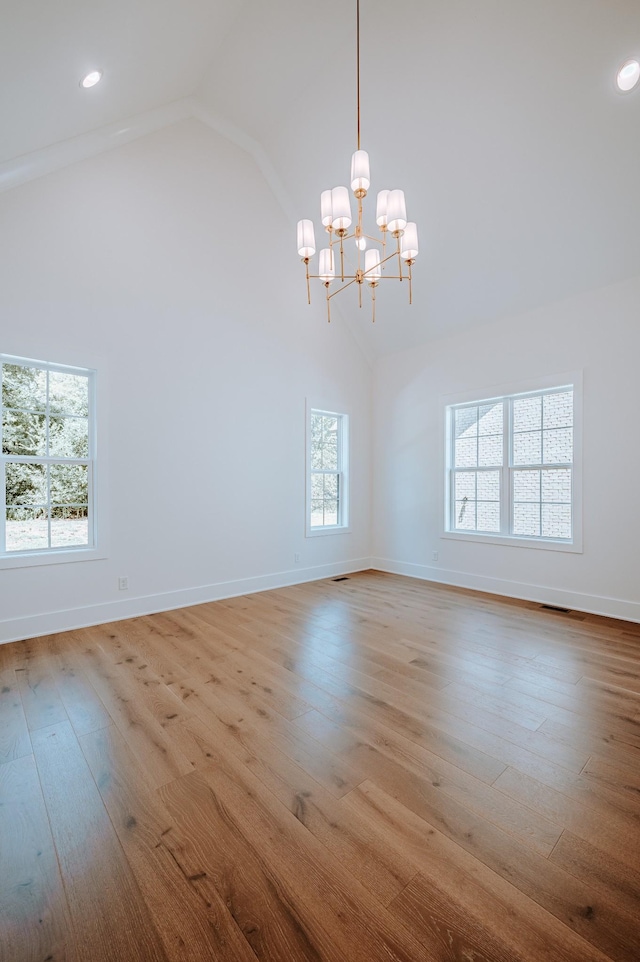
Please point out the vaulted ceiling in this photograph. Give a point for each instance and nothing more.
(499, 118)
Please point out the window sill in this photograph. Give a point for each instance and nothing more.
(572, 547)
(38, 558)
(333, 529)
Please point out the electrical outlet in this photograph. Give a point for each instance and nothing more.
(296, 558)
(123, 583)
(435, 556)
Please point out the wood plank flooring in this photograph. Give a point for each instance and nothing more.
(366, 769)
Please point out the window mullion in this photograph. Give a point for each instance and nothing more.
(505, 499)
(3, 487)
(452, 500)
(3, 474)
(452, 472)
(47, 423)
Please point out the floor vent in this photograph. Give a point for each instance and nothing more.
(343, 578)
(564, 611)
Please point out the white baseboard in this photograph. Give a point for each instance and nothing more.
(593, 604)
(50, 623)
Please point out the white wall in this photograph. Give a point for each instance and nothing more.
(134, 263)
(598, 333)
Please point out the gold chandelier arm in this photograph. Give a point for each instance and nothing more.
(344, 237)
(344, 276)
(384, 261)
(392, 277)
(341, 289)
(354, 277)
(346, 258)
(347, 277)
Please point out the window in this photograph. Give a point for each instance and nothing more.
(510, 471)
(46, 465)
(327, 486)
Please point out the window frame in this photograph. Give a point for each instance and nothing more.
(69, 553)
(342, 473)
(508, 393)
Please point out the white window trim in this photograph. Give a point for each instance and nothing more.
(529, 386)
(98, 549)
(344, 526)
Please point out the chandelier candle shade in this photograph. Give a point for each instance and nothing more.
(336, 217)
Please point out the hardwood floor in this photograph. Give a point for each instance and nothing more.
(369, 769)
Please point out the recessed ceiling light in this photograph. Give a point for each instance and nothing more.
(91, 79)
(628, 75)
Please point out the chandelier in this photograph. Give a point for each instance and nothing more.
(371, 262)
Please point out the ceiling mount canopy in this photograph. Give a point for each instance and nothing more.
(368, 263)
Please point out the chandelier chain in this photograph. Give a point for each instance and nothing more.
(358, 64)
